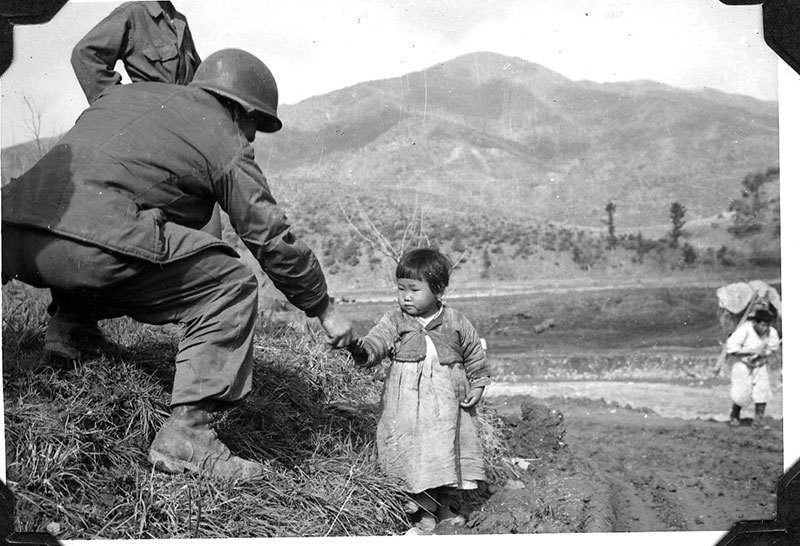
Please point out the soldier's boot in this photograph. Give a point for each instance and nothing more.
(68, 340)
(735, 416)
(758, 418)
(187, 442)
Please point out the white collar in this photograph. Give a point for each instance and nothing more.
(426, 321)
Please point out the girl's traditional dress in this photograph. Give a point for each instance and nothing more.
(424, 436)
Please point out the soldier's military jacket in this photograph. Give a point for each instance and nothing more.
(153, 44)
(139, 174)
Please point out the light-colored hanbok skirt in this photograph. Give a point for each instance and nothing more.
(424, 436)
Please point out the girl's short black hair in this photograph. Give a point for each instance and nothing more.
(425, 264)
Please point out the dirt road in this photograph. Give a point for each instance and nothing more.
(704, 400)
(672, 465)
(671, 474)
(618, 469)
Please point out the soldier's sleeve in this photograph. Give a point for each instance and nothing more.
(193, 49)
(264, 229)
(94, 56)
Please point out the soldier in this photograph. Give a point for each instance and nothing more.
(109, 220)
(152, 39)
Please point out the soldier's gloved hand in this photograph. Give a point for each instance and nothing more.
(474, 396)
(338, 327)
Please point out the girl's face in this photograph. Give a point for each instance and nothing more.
(416, 298)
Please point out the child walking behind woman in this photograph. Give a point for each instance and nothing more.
(428, 431)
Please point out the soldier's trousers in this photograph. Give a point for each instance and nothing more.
(212, 295)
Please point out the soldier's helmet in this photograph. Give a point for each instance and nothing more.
(242, 77)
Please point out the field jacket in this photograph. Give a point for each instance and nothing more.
(402, 337)
(153, 44)
(139, 174)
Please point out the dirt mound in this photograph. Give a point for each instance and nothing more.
(537, 433)
(548, 489)
(560, 495)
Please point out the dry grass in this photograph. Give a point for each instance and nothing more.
(77, 440)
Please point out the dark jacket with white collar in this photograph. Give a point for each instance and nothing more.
(402, 338)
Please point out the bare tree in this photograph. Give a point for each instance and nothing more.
(414, 234)
(33, 123)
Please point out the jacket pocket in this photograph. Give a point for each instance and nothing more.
(160, 52)
(155, 214)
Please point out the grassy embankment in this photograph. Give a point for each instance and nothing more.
(77, 439)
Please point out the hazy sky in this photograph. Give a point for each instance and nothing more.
(316, 46)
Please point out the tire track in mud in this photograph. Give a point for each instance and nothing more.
(674, 475)
(640, 499)
(629, 511)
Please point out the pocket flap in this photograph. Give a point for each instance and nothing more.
(160, 52)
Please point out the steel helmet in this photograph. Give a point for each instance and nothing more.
(242, 77)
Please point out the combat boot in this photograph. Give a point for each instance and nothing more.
(68, 340)
(188, 442)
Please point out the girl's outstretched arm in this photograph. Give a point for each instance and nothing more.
(377, 344)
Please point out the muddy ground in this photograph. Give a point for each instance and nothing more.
(598, 467)
(606, 467)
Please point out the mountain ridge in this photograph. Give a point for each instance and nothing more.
(555, 147)
(508, 167)
(503, 135)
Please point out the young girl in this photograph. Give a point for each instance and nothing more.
(749, 345)
(428, 431)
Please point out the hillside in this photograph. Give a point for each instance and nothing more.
(495, 133)
(510, 165)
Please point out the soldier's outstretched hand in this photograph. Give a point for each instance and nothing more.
(337, 326)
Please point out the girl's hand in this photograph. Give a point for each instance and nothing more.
(474, 396)
(360, 356)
